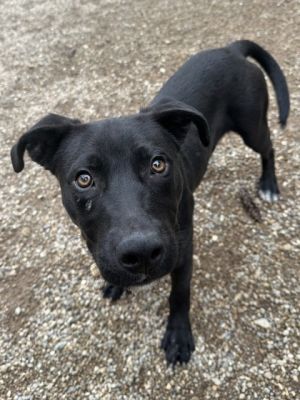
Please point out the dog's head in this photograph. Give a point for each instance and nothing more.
(121, 181)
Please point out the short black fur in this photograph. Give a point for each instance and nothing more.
(136, 213)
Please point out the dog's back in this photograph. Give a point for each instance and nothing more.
(231, 93)
(221, 82)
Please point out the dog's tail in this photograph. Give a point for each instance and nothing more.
(273, 70)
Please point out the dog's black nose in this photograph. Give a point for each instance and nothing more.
(138, 252)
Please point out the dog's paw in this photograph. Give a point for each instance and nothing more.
(112, 292)
(267, 195)
(268, 190)
(178, 344)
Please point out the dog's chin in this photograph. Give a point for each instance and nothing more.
(127, 279)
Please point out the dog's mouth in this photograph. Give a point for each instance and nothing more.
(124, 278)
(140, 279)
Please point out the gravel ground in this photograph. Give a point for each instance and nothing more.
(59, 338)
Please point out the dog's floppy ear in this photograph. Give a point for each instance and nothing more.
(42, 141)
(177, 117)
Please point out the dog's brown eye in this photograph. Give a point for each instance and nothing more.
(158, 165)
(84, 180)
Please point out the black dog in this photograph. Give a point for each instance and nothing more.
(128, 182)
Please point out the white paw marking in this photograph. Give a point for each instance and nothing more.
(268, 196)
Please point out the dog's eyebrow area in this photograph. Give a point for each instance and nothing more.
(145, 152)
(91, 162)
(142, 153)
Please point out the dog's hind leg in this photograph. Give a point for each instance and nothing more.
(260, 142)
(268, 187)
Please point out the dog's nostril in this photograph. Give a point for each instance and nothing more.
(139, 252)
(156, 254)
(130, 259)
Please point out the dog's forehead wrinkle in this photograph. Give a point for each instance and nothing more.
(128, 130)
(119, 138)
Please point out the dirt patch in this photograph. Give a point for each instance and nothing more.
(17, 301)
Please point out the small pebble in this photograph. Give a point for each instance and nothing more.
(263, 323)
(18, 310)
(94, 271)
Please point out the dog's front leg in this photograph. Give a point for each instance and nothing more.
(178, 341)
